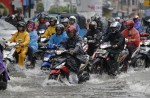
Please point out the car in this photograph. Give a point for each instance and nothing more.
(6, 30)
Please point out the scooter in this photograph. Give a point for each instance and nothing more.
(61, 69)
(48, 54)
(141, 60)
(100, 59)
(3, 74)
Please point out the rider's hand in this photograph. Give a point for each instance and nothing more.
(71, 52)
(115, 46)
(22, 45)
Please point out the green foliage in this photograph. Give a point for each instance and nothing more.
(61, 9)
(6, 11)
(40, 7)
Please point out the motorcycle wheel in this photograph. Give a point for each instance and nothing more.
(140, 63)
(45, 68)
(97, 68)
(3, 82)
(56, 77)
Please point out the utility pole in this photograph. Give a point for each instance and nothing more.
(70, 7)
(29, 8)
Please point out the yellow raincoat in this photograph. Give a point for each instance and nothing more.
(25, 39)
(49, 31)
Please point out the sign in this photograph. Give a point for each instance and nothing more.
(146, 2)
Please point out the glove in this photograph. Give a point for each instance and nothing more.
(71, 52)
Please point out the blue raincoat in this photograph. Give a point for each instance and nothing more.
(57, 39)
(33, 40)
(137, 25)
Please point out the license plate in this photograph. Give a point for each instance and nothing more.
(100, 51)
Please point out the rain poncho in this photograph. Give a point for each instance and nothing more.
(33, 40)
(57, 39)
(25, 39)
(137, 25)
(49, 31)
(134, 35)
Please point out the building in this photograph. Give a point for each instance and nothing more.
(127, 7)
(12, 5)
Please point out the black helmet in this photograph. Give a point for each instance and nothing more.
(53, 19)
(92, 25)
(21, 24)
(30, 21)
(42, 16)
(60, 27)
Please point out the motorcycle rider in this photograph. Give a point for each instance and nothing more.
(23, 38)
(74, 45)
(65, 22)
(93, 34)
(41, 23)
(73, 21)
(97, 19)
(132, 36)
(59, 36)
(148, 26)
(51, 29)
(33, 45)
(117, 41)
(137, 23)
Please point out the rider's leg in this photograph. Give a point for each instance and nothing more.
(22, 56)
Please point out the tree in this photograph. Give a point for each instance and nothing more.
(61, 9)
(40, 7)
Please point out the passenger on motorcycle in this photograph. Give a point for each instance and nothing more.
(51, 29)
(65, 22)
(132, 36)
(117, 41)
(95, 35)
(33, 45)
(73, 21)
(74, 45)
(137, 23)
(59, 36)
(23, 38)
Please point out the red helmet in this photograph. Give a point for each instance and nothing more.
(129, 24)
(71, 29)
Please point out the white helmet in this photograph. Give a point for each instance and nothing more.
(65, 20)
(148, 20)
(117, 18)
(72, 17)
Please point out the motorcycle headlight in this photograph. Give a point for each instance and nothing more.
(41, 32)
(146, 43)
(46, 58)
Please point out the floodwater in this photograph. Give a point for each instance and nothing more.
(34, 84)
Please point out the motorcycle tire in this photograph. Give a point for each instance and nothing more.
(3, 82)
(140, 63)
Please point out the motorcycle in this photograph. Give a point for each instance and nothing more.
(61, 68)
(141, 60)
(3, 74)
(8, 53)
(48, 54)
(100, 58)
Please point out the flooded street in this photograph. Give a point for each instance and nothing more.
(34, 84)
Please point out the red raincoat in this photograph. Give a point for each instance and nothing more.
(134, 35)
